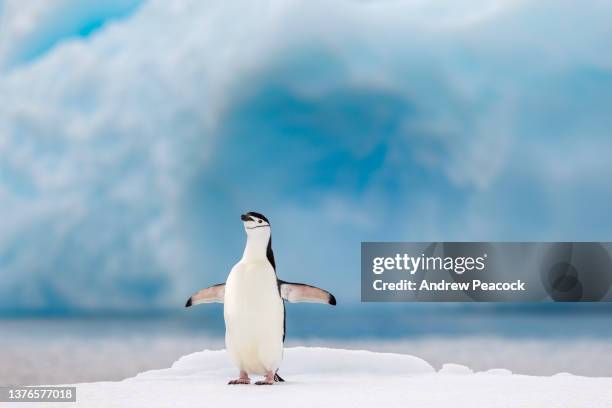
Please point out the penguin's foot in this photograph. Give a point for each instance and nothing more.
(244, 379)
(239, 381)
(269, 380)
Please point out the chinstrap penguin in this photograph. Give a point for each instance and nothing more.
(254, 308)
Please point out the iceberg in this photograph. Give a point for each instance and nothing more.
(317, 377)
(125, 125)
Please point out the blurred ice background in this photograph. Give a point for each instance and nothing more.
(133, 134)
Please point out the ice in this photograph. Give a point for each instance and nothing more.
(496, 371)
(118, 144)
(455, 369)
(317, 377)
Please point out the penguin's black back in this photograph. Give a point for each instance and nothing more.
(270, 254)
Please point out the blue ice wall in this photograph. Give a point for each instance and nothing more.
(132, 136)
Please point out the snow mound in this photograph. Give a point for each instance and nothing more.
(496, 371)
(342, 378)
(455, 369)
(316, 361)
(298, 362)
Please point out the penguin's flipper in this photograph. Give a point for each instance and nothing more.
(212, 294)
(300, 292)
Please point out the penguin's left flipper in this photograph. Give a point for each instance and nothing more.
(212, 294)
(299, 292)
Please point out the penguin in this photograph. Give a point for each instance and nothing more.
(254, 305)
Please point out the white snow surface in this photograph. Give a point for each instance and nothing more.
(325, 377)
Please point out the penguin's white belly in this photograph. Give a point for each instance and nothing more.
(254, 314)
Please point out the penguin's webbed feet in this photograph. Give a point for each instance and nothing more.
(243, 379)
(239, 381)
(269, 380)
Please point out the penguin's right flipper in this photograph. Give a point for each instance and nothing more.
(300, 292)
(212, 294)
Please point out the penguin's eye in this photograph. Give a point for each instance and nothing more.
(259, 221)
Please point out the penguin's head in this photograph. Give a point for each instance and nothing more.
(256, 224)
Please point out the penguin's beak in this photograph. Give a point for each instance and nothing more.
(245, 217)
